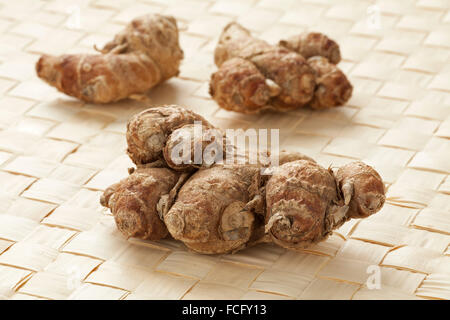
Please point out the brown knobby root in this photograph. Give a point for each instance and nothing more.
(192, 146)
(269, 73)
(211, 213)
(305, 201)
(240, 86)
(298, 195)
(223, 207)
(362, 189)
(148, 131)
(254, 75)
(332, 86)
(144, 54)
(313, 44)
(134, 202)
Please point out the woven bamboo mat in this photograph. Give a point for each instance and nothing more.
(58, 154)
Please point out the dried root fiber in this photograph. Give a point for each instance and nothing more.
(225, 207)
(254, 75)
(144, 54)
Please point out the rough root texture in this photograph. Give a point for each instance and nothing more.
(298, 195)
(144, 54)
(147, 132)
(332, 87)
(209, 214)
(254, 75)
(134, 200)
(313, 44)
(221, 207)
(185, 148)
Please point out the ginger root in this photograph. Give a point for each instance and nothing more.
(148, 131)
(305, 201)
(144, 54)
(226, 206)
(254, 75)
(185, 148)
(137, 201)
(332, 87)
(313, 44)
(210, 214)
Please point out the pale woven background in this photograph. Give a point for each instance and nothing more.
(58, 154)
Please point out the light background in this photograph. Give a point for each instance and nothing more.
(58, 154)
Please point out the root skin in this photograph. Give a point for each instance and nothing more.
(254, 76)
(144, 54)
(223, 207)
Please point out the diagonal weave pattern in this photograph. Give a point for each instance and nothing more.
(58, 154)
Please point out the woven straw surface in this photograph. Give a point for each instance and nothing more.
(58, 154)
